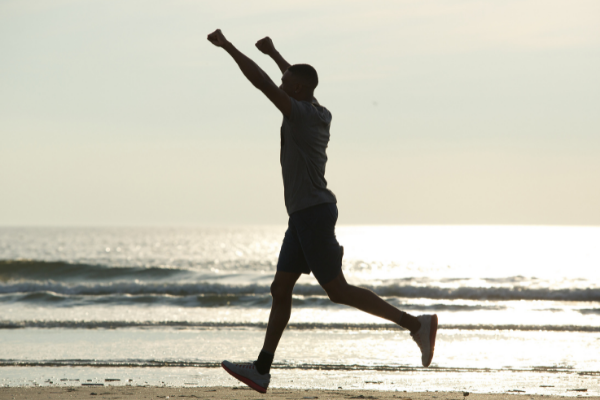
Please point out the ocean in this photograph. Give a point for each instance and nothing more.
(518, 306)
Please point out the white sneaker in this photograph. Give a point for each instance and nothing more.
(248, 374)
(425, 337)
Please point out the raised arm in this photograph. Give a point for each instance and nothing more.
(254, 73)
(266, 46)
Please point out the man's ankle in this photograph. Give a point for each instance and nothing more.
(264, 361)
(409, 322)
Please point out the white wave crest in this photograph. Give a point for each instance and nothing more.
(208, 288)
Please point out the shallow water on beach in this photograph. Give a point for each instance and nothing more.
(524, 382)
(512, 301)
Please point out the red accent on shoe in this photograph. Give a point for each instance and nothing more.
(247, 381)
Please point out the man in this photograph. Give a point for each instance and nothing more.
(309, 244)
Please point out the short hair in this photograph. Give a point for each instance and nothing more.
(306, 74)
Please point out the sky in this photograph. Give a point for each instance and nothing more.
(462, 112)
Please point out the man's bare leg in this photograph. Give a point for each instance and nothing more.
(423, 329)
(281, 309)
(339, 291)
(256, 374)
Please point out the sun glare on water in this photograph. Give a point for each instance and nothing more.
(470, 252)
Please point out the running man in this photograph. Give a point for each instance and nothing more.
(309, 244)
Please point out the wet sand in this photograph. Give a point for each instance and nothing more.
(241, 393)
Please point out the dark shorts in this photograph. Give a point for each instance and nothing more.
(310, 245)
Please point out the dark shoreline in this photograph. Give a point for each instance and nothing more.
(242, 393)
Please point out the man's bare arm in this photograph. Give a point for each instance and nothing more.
(266, 46)
(254, 73)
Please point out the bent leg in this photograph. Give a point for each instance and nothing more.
(339, 291)
(281, 309)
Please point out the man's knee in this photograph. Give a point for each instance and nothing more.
(338, 294)
(280, 291)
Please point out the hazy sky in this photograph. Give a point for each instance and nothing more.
(444, 112)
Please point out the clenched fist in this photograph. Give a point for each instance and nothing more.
(265, 45)
(217, 38)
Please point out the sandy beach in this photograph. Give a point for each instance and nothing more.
(134, 393)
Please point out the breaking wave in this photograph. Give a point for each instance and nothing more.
(58, 290)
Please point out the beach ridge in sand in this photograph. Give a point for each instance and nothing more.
(241, 393)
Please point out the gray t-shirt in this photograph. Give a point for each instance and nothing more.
(304, 138)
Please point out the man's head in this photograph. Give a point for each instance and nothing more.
(299, 81)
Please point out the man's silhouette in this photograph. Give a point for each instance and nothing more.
(309, 244)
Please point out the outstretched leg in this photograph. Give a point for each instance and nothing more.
(339, 291)
(423, 329)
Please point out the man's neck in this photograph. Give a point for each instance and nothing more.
(305, 97)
